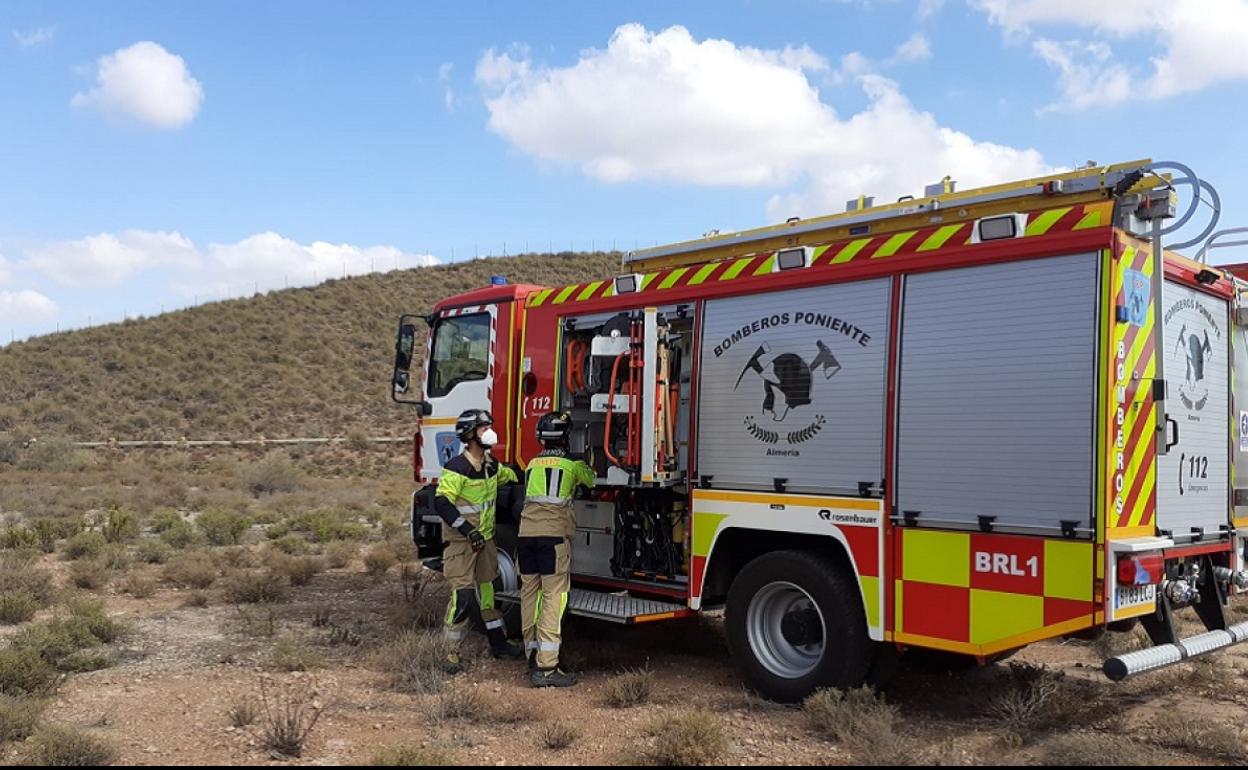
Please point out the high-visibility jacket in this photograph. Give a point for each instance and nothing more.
(550, 483)
(470, 493)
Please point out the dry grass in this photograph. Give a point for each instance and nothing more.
(863, 723)
(251, 587)
(1202, 739)
(414, 662)
(466, 703)
(413, 756)
(243, 712)
(1033, 699)
(290, 712)
(90, 574)
(299, 570)
(17, 607)
(379, 559)
(140, 585)
(85, 545)
(341, 553)
(19, 717)
(631, 688)
(293, 655)
(191, 570)
(689, 739)
(559, 735)
(68, 747)
(1088, 749)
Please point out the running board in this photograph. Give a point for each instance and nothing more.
(613, 607)
(1152, 658)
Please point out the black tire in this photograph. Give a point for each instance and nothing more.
(846, 653)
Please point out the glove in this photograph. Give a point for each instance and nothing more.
(477, 541)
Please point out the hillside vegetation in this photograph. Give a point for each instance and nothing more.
(299, 362)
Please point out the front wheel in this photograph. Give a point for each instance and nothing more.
(795, 623)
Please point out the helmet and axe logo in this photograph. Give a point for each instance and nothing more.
(1194, 391)
(789, 378)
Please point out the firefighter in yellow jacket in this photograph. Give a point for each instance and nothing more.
(466, 501)
(544, 548)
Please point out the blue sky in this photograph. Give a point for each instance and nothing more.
(159, 154)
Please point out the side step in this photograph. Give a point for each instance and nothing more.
(613, 607)
(1138, 662)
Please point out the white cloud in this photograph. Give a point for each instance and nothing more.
(107, 259)
(1195, 44)
(144, 83)
(916, 48)
(265, 260)
(35, 37)
(6, 274)
(664, 106)
(26, 307)
(271, 260)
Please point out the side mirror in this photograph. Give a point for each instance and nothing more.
(404, 350)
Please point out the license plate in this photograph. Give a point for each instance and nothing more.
(1126, 597)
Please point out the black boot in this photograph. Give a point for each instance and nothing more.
(552, 677)
(502, 647)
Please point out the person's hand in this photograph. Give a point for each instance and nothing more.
(477, 541)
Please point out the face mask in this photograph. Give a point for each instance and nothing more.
(489, 438)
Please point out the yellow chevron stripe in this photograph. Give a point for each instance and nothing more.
(938, 238)
(703, 273)
(850, 250)
(540, 297)
(562, 296)
(819, 252)
(1141, 505)
(589, 291)
(1090, 220)
(768, 265)
(610, 290)
(673, 277)
(1045, 221)
(645, 281)
(735, 269)
(894, 243)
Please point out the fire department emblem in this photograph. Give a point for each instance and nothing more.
(787, 381)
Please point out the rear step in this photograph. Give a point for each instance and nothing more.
(613, 607)
(1132, 663)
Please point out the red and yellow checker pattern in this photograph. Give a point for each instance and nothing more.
(978, 593)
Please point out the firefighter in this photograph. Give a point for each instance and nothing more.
(547, 525)
(466, 500)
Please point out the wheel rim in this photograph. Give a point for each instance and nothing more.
(786, 630)
(507, 575)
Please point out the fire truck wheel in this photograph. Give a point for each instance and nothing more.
(795, 623)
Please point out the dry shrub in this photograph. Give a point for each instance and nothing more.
(414, 662)
(862, 722)
(689, 739)
(290, 712)
(630, 688)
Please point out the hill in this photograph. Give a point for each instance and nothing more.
(299, 362)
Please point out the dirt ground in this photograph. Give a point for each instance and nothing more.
(180, 670)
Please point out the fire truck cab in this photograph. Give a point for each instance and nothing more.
(964, 422)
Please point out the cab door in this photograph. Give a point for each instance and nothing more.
(459, 375)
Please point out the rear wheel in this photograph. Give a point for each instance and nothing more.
(795, 623)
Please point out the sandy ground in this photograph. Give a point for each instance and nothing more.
(179, 671)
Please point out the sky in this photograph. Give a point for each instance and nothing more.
(156, 155)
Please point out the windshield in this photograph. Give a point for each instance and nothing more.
(461, 347)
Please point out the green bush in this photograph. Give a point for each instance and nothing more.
(291, 545)
(379, 559)
(10, 449)
(85, 544)
(19, 539)
(246, 587)
(178, 534)
(17, 606)
(55, 455)
(164, 520)
(222, 526)
(120, 525)
(340, 553)
(24, 672)
(56, 641)
(52, 530)
(154, 552)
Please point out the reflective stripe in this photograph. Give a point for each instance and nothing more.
(485, 595)
(454, 634)
(461, 521)
(468, 508)
(548, 646)
(530, 646)
(548, 499)
(492, 624)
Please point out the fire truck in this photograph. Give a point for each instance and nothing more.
(963, 422)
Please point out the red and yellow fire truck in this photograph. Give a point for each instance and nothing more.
(964, 422)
